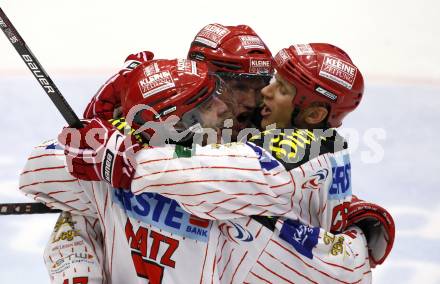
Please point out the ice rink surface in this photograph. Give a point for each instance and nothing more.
(395, 163)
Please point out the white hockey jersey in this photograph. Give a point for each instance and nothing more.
(149, 238)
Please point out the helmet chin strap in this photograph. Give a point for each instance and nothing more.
(295, 113)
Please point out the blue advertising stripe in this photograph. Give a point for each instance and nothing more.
(160, 212)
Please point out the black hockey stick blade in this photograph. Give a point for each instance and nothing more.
(40, 74)
(25, 208)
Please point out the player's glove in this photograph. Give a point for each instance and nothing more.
(377, 225)
(107, 101)
(98, 151)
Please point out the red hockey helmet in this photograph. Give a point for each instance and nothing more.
(158, 89)
(322, 72)
(232, 50)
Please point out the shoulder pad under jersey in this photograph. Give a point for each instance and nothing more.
(294, 147)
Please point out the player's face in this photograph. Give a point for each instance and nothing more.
(247, 93)
(277, 103)
(213, 113)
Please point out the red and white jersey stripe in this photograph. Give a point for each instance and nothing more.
(247, 252)
(145, 238)
(232, 181)
(112, 236)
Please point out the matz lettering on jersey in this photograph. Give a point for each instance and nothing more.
(162, 213)
(302, 237)
(151, 251)
(338, 71)
(341, 184)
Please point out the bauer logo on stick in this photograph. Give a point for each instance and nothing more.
(338, 71)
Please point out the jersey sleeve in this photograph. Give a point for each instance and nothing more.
(74, 253)
(220, 181)
(107, 100)
(312, 255)
(45, 179)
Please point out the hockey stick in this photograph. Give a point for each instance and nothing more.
(64, 108)
(54, 94)
(25, 208)
(39, 73)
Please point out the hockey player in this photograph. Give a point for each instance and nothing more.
(239, 56)
(135, 250)
(275, 176)
(235, 53)
(249, 68)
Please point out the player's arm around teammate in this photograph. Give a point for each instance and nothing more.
(75, 250)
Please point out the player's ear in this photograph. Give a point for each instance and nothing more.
(315, 115)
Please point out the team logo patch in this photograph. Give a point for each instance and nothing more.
(304, 49)
(338, 71)
(65, 229)
(316, 180)
(234, 231)
(212, 35)
(302, 237)
(258, 66)
(156, 83)
(249, 42)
